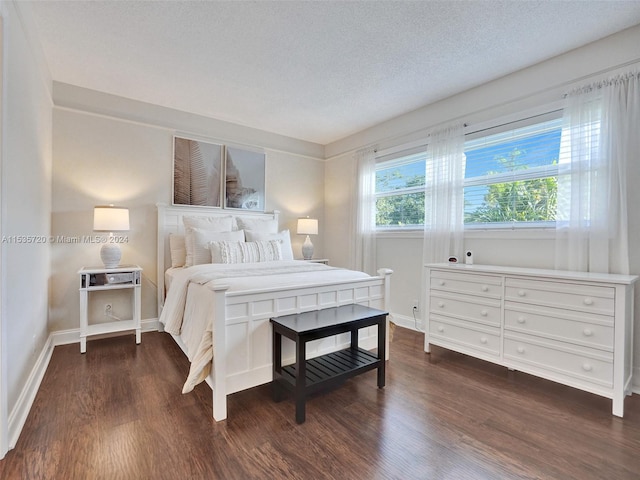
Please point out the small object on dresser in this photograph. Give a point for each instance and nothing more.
(453, 259)
(468, 257)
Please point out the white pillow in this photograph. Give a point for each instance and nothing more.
(214, 224)
(269, 225)
(284, 237)
(178, 250)
(201, 238)
(245, 252)
(220, 224)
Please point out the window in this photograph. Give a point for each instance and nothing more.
(400, 192)
(511, 179)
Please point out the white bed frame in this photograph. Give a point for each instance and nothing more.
(242, 331)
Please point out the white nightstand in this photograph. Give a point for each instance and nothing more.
(94, 279)
(319, 260)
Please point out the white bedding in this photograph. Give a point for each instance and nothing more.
(187, 308)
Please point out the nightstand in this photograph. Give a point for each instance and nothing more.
(318, 260)
(94, 279)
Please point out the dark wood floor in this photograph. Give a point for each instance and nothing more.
(117, 413)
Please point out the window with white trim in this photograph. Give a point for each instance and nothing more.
(400, 192)
(511, 176)
(511, 179)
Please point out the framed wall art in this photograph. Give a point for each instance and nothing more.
(244, 179)
(197, 172)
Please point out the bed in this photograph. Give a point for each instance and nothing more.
(218, 310)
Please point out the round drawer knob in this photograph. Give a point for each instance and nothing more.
(587, 332)
(484, 313)
(586, 367)
(440, 328)
(485, 288)
(111, 279)
(520, 349)
(483, 340)
(521, 319)
(588, 301)
(521, 293)
(441, 282)
(441, 304)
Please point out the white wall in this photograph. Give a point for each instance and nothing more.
(525, 91)
(26, 202)
(124, 156)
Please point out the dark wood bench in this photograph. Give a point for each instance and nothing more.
(307, 376)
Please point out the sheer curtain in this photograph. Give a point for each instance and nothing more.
(600, 138)
(365, 225)
(444, 195)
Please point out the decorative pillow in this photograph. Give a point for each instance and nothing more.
(215, 224)
(284, 237)
(269, 225)
(201, 238)
(245, 252)
(178, 250)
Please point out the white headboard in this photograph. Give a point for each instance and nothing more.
(170, 221)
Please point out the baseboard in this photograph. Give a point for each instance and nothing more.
(408, 322)
(20, 412)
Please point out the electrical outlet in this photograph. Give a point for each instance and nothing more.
(107, 309)
(416, 305)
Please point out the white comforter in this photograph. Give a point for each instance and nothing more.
(246, 278)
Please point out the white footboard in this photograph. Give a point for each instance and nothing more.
(242, 331)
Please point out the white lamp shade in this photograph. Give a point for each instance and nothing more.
(307, 226)
(107, 218)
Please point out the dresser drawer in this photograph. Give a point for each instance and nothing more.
(466, 334)
(483, 285)
(594, 368)
(585, 298)
(564, 325)
(466, 307)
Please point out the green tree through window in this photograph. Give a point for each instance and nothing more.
(532, 200)
(403, 203)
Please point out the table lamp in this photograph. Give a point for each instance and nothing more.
(107, 218)
(307, 226)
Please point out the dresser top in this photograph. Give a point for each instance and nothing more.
(537, 272)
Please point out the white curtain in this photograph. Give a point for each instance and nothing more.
(444, 195)
(599, 139)
(365, 225)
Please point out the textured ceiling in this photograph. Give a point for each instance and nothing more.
(318, 70)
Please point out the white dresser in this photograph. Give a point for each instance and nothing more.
(574, 328)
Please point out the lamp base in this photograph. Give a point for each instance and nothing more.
(110, 255)
(307, 249)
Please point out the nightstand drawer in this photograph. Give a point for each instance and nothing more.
(122, 278)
